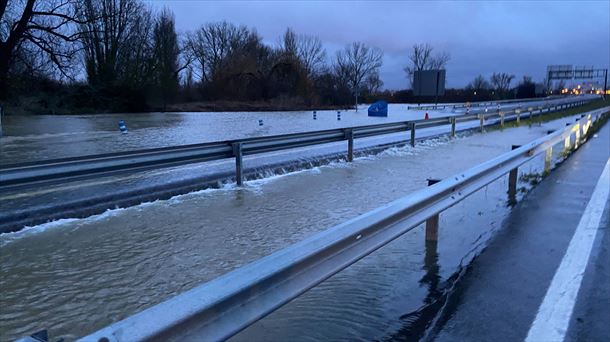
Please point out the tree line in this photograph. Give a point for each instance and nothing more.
(131, 57)
(115, 55)
(499, 85)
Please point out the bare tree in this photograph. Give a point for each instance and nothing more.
(116, 41)
(501, 82)
(166, 50)
(308, 50)
(526, 80)
(374, 83)
(356, 62)
(526, 88)
(439, 61)
(479, 83)
(289, 43)
(35, 32)
(422, 58)
(311, 54)
(212, 43)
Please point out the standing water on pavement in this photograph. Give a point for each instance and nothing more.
(75, 276)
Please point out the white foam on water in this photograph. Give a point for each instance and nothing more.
(254, 185)
(397, 152)
(270, 176)
(6, 238)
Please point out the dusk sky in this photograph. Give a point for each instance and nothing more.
(520, 38)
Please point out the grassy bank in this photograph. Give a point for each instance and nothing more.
(558, 115)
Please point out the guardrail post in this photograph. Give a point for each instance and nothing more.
(588, 124)
(502, 120)
(518, 117)
(577, 134)
(567, 141)
(512, 182)
(583, 126)
(238, 163)
(432, 222)
(548, 156)
(453, 126)
(482, 121)
(412, 134)
(349, 135)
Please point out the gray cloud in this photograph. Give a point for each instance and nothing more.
(482, 37)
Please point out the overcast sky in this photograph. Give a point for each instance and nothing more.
(520, 38)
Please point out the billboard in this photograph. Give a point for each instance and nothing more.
(429, 83)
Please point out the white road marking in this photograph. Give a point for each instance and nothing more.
(553, 318)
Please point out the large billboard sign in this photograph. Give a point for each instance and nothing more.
(429, 83)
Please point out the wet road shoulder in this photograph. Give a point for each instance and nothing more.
(499, 296)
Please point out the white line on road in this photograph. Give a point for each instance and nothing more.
(553, 318)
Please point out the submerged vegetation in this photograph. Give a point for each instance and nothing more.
(532, 178)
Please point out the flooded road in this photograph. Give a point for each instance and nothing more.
(31, 138)
(75, 276)
(40, 137)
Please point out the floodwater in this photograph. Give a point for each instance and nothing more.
(54, 136)
(75, 276)
(40, 137)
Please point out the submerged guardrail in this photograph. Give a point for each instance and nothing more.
(221, 308)
(68, 169)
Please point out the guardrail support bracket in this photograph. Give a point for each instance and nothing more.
(567, 142)
(453, 126)
(432, 222)
(548, 158)
(512, 182)
(238, 163)
(412, 124)
(349, 135)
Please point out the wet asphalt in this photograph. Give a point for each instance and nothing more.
(500, 292)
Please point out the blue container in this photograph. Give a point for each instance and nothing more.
(122, 126)
(379, 108)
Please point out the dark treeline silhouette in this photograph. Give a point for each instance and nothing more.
(66, 56)
(480, 89)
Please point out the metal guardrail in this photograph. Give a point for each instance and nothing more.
(428, 107)
(491, 103)
(226, 305)
(477, 104)
(67, 169)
